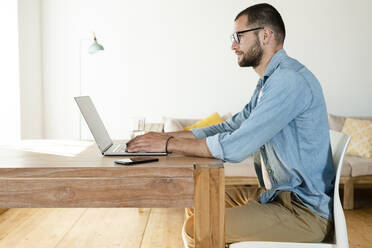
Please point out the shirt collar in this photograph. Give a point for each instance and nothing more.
(259, 84)
(274, 62)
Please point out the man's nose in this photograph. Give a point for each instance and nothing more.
(234, 45)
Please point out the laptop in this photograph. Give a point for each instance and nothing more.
(100, 133)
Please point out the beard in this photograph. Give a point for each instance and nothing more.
(253, 56)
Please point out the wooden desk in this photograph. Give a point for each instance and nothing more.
(73, 174)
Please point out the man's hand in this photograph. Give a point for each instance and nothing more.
(155, 142)
(150, 142)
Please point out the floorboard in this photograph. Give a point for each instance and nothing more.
(42, 229)
(169, 221)
(107, 227)
(359, 220)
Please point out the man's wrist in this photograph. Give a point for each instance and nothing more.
(189, 147)
(182, 134)
(171, 145)
(167, 144)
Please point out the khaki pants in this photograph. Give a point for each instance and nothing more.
(283, 220)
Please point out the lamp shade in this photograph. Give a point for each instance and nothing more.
(95, 47)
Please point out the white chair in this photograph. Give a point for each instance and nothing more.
(339, 143)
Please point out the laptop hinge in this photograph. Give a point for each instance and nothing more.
(106, 148)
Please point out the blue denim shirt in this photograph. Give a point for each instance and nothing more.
(289, 126)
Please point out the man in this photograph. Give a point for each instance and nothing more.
(284, 125)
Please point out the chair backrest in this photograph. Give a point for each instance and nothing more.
(339, 143)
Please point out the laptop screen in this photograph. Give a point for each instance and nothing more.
(94, 122)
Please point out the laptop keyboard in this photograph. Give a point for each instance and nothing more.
(120, 148)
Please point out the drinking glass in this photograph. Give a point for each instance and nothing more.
(138, 126)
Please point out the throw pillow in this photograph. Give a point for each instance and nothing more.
(361, 137)
(209, 121)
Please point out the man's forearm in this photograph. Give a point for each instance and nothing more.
(182, 134)
(189, 147)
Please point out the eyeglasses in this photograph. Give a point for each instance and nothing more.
(235, 37)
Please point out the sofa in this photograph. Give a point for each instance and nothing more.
(356, 171)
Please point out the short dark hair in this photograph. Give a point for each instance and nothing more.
(265, 15)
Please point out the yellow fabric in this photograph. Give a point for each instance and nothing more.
(209, 121)
(361, 137)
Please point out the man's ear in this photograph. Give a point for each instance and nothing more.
(267, 36)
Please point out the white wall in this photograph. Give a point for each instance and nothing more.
(173, 58)
(9, 76)
(30, 69)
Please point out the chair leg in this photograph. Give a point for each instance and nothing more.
(349, 194)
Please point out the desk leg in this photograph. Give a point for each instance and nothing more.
(209, 204)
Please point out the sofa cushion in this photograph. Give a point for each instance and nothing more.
(336, 122)
(227, 116)
(346, 167)
(172, 125)
(154, 127)
(246, 168)
(359, 166)
(242, 169)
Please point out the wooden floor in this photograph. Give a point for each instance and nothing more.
(359, 220)
(112, 228)
(80, 228)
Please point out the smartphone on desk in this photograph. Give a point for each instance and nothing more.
(135, 160)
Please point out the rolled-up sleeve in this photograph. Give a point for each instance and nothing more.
(282, 100)
(228, 126)
(198, 133)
